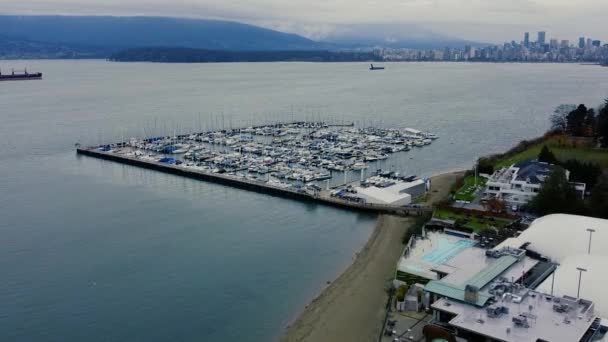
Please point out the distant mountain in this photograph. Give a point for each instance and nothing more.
(100, 36)
(362, 36)
(131, 32)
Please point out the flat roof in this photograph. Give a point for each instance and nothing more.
(485, 276)
(467, 264)
(454, 291)
(564, 239)
(383, 194)
(544, 322)
(473, 267)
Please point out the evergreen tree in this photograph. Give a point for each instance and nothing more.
(576, 120)
(547, 156)
(587, 173)
(602, 126)
(485, 165)
(598, 203)
(590, 124)
(557, 196)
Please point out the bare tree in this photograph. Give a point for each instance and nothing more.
(559, 118)
(495, 205)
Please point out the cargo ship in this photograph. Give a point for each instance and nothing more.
(372, 67)
(18, 76)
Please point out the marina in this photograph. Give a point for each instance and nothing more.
(312, 161)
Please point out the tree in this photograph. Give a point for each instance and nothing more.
(556, 195)
(587, 173)
(602, 124)
(547, 156)
(494, 205)
(485, 165)
(559, 118)
(598, 203)
(590, 125)
(576, 121)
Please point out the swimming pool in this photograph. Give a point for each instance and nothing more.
(445, 249)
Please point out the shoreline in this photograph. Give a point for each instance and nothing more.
(352, 307)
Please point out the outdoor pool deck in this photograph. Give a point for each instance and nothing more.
(432, 252)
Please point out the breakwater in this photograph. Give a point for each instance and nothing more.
(322, 197)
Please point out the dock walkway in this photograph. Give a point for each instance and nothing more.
(252, 185)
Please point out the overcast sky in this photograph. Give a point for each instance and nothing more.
(481, 20)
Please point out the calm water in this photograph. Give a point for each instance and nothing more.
(99, 251)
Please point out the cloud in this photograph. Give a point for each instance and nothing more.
(488, 20)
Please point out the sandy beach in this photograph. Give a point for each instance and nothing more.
(351, 308)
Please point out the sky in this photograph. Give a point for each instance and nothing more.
(492, 21)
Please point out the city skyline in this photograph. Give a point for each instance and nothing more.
(556, 50)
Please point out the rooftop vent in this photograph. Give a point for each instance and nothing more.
(561, 308)
(496, 311)
(471, 294)
(521, 321)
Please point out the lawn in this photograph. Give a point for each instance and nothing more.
(467, 191)
(473, 222)
(562, 153)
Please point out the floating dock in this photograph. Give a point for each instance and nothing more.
(322, 197)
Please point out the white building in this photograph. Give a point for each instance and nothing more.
(389, 195)
(566, 240)
(521, 182)
(380, 190)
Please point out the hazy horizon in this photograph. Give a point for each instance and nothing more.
(477, 20)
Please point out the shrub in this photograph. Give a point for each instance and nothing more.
(400, 294)
(416, 228)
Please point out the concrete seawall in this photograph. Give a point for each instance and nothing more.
(256, 186)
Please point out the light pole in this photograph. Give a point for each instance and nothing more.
(475, 171)
(591, 231)
(580, 275)
(553, 277)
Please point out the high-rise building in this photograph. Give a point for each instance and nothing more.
(541, 38)
(581, 42)
(554, 44)
(597, 43)
(527, 39)
(565, 43)
(589, 42)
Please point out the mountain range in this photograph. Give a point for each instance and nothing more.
(100, 36)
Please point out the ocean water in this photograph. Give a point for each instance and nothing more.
(97, 251)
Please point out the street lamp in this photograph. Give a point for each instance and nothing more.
(475, 172)
(580, 274)
(553, 276)
(591, 231)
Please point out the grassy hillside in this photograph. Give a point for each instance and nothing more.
(564, 149)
